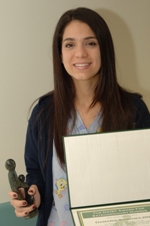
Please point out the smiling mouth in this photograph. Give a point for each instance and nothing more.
(82, 65)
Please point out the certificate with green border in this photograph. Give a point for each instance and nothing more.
(104, 169)
(136, 214)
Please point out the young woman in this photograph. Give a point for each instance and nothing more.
(86, 99)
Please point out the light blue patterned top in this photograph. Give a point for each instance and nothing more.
(60, 214)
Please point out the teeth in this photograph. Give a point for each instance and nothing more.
(81, 65)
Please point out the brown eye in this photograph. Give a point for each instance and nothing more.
(69, 45)
(92, 43)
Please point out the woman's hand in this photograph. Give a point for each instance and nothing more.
(21, 206)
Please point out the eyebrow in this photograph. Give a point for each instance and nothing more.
(86, 38)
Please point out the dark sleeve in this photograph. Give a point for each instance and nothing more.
(142, 114)
(32, 160)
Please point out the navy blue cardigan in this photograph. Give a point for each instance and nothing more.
(38, 172)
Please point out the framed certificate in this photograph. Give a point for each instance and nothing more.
(114, 215)
(106, 169)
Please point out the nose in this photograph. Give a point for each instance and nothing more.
(80, 51)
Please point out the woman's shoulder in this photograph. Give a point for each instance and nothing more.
(142, 114)
(45, 100)
(138, 101)
(138, 107)
(43, 106)
(136, 97)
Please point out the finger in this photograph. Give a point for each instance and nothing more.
(21, 213)
(12, 194)
(15, 195)
(32, 190)
(18, 203)
(25, 209)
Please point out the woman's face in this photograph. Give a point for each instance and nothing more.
(80, 52)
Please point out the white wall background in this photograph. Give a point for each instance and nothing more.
(26, 30)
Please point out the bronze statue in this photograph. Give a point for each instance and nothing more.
(17, 182)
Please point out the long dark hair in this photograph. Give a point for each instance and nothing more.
(115, 101)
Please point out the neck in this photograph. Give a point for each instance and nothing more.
(83, 100)
(84, 93)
